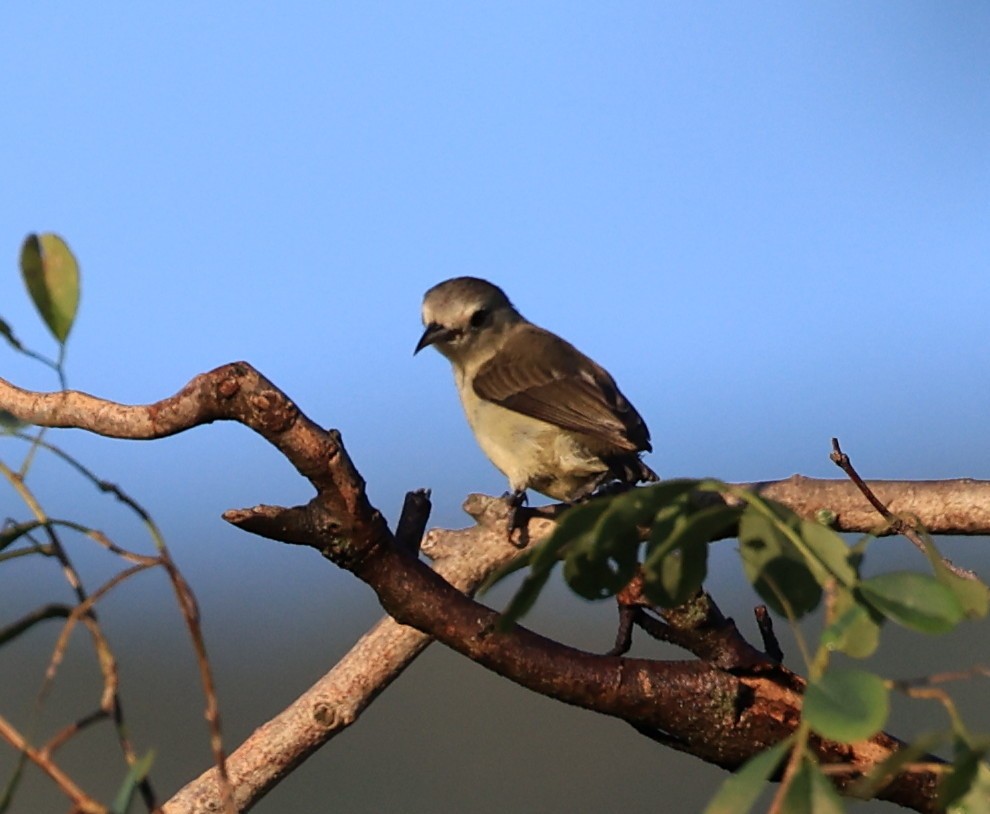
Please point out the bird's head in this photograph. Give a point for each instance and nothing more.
(465, 316)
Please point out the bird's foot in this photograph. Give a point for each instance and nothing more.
(515, 500)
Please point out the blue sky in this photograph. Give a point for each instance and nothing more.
(771, 226)
(769, 222)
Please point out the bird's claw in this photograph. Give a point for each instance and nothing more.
(515, 500)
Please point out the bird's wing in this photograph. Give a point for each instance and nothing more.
(538, 374)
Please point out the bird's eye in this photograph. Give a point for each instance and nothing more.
(479, 317)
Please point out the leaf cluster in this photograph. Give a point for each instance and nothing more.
(662, 533)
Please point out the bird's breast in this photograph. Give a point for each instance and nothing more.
(531, 453)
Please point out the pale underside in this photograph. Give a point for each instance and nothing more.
(531, 453)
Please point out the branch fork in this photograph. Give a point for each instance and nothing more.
(730, 703)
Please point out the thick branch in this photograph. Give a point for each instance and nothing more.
(237, 392)
(959, 506)
(338, 698)
(696, 706)
(233, 392)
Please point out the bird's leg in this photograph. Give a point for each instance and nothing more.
(515, 500)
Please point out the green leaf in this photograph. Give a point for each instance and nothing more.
(658, 495)
(576, 527)
(965, 768)
(854, 632)
(914, 600)
(601, 559)
(10, 534)
(51, 274)
(10, 422)
(575, 523)
(677, 577)
(677, 558)
(8, 333)
(789, 588)
(810, 792)
(973, 595)
(777, 570)
(829, 551)
(847, 705)
(977, 799)
(523, 599)
(824, 798)
(598, 542)
(739, 793)
(761, 539)
(137, 773)
(780, 531)
(638, 506)
(697, 528)
(602, 569)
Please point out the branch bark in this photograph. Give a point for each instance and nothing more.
(719, 715)
(960, 506)
(337, 700)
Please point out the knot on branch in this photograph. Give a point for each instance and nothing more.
(275, 414)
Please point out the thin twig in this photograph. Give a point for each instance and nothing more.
(415, 515)
(623, 635)
(82, 801)
(52, 610)
(771, 645)
(62, 736)
(185, 600)
(840, 459)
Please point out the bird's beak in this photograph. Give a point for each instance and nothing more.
(434, 333)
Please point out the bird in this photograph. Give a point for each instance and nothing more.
(548, 417)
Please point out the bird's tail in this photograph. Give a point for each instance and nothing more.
(645, 474)
(631, 470)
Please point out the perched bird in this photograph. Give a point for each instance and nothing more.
(546, 415)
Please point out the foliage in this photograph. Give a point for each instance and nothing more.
(51, 276)
(658, 536)
(662, 533)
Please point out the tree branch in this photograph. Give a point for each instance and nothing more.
(237, 392)
(696, 706)
(337, 700)
(960, 506)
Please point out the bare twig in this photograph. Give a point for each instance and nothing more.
(49, 611)
(84, 610)
(623, 635)
(771, 646)
(411, 527)
(897, 524)
(80, 800)
(337, 700)
(62, 736)
(187, 605)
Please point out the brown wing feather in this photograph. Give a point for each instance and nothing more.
(540, 375)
